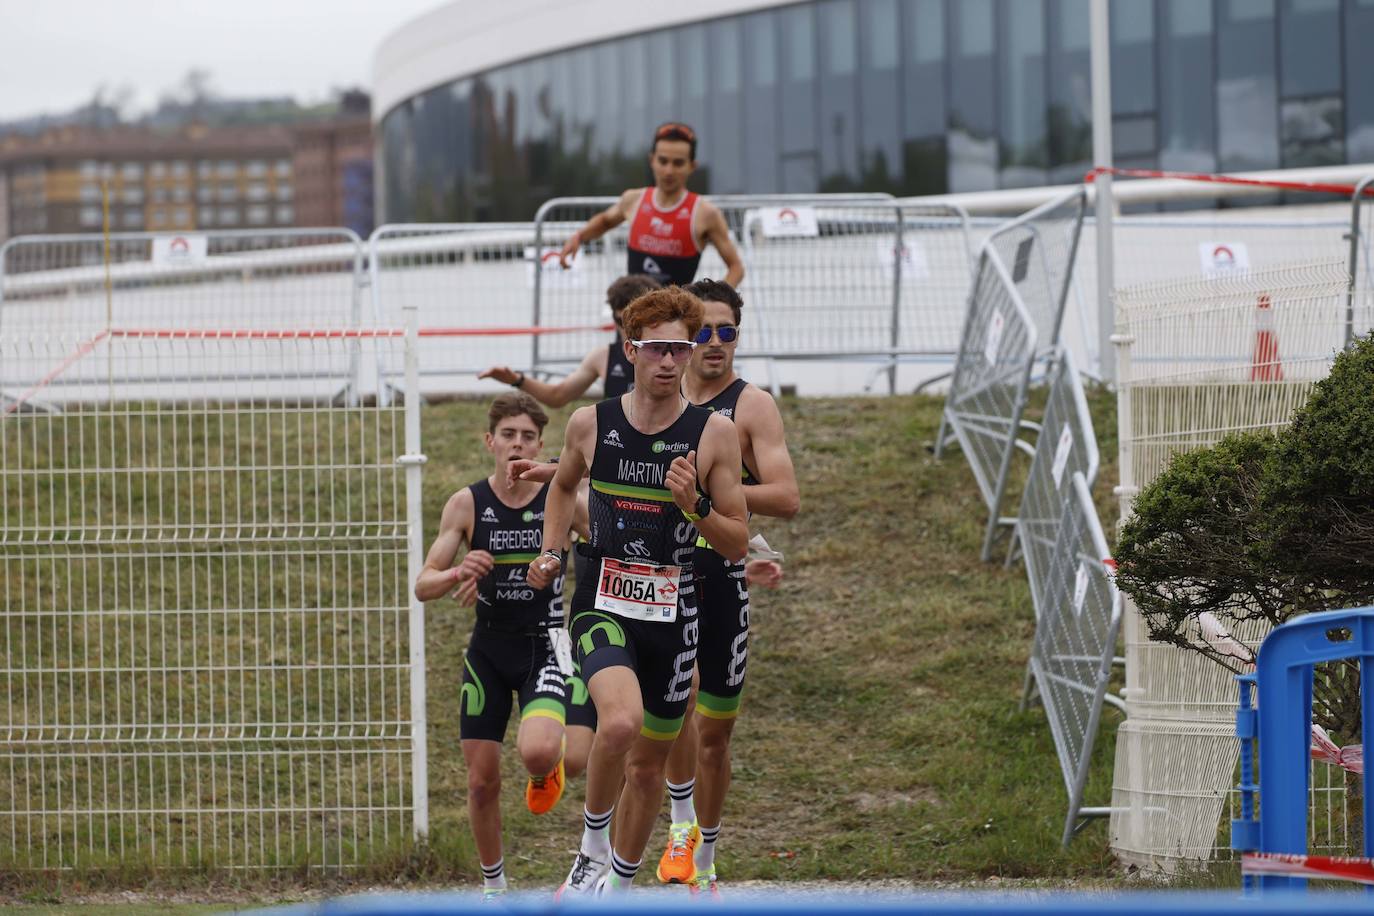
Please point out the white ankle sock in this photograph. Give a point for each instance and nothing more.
(705, 856)
(596, 834)
(680, 795)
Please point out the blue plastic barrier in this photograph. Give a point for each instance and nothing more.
(640, 903)
(1283, 726)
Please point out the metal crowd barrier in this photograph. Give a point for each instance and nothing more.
(826, 276)
(1039, 248)
(987, 396)
(472, 276)
(1034, 257)
(1075, 642)
(1068, 443)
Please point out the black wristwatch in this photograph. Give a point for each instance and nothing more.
(703, 509)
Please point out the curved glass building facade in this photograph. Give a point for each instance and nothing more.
(906, 96)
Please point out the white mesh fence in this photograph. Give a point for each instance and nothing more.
(206, 646)
(1198, 360)
(59, 287)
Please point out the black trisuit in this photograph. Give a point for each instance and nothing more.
(635, 521)
(509, 651)
(723, 597)
(620, 372)
(620, 379)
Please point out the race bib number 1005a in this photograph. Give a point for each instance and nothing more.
(638, 591)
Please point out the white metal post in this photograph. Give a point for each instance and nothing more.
(414, 461)
(1102, 158)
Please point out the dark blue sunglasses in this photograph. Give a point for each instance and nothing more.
(726, 332)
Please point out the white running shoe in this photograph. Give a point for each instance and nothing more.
(583, 876)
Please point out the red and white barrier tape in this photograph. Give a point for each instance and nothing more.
(1274, 184)
(1324, 749)
(1298, 865)
(340, 333)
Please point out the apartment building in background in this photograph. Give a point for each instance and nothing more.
(197, 178)
(333, 172)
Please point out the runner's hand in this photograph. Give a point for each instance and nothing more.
(569, 250)
(466, 593)
(504, 374)
(763, 573)
(543, 570)
(475, 565)
(682, 481)
(525, 469)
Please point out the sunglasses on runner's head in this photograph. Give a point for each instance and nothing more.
(657, 349)
(726, 332)
(675, 131)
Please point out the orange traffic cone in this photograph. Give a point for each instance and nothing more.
(1265, 366)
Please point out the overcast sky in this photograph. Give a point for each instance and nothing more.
(54, 53)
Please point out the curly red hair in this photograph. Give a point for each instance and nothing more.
(661, 306)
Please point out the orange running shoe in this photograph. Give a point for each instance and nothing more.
(676, 866)
(543, 792)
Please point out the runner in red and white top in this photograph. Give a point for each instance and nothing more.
(670, 225)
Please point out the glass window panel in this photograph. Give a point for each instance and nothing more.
(799, 42)
(880, 114)
(1133, 63)
(972, 143)
(1359, 81)
(1024, 154)
(924, 167)
(881, 34)
(1247, 89)
(693, 39)
(761, 43)
(838, 96)
(1310, 46)
(1187, 113)
(1313, 132)
(725, 168)
(798, 100)
(609, 132)
(663, 72)
(837, 32)
(761, 103)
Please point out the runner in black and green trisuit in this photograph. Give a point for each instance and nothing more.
(698, 769)
(512, 649)
(634, 625)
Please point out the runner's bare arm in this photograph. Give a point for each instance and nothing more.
(582, 518)
(776, 495)
(718, 234)
(598, 225)
(439, 575)
(717, 466)
(555, 394)
(560, 504)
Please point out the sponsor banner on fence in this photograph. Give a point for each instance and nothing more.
(1222, 259)
(179, 249)
(789, 222)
